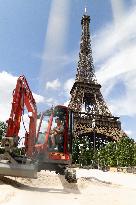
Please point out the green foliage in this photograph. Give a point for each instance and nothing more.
(75, 151)
(3, 128)
(82, 152)
(125, 152)
(121, 153)
(107, 155)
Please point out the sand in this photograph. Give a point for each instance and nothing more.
(52, 189)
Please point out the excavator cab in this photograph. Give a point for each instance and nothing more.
(56, 147)
(58, 158)
(60, 140)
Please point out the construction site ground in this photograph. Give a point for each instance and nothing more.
(93, 187)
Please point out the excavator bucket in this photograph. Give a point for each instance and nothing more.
(18, 170)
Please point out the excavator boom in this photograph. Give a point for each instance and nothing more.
(13, 163)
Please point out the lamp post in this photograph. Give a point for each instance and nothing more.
(117, 155)
(81, 154)
(93, 126)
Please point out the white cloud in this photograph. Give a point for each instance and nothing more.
(55, 84)
(121, 62)
(7, 85)
(134, 2)
(51, 102)
(125, 104)
(129, 133)
(68, 85)
(118, 49)
(24, 126)
(113, 38)
(66, 103)
(38, 98)
(56, 38)
(118, 8)
(57, 25)
(59, 59)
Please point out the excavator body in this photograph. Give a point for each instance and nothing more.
(43, 150)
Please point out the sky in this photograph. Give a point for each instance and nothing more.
(41, 40)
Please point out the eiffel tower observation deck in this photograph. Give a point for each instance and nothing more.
(91, 113)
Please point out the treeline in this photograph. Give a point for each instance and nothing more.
(113, 154)
(3, 128)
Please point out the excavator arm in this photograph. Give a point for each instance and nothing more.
(10, 163)
(22, 96)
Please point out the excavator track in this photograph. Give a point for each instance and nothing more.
(18, 170)
(70, 175)
(17, 166)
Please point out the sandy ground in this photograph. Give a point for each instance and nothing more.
(52, 189)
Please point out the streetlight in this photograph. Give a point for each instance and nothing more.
(93, 126)
(81, 154)
(117, 154)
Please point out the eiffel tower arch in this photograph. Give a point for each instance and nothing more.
(92, 118)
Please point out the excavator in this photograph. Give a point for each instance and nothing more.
(37, 153)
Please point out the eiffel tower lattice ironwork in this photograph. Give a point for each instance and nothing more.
(87, 102)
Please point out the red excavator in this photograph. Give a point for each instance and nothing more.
(38, 152)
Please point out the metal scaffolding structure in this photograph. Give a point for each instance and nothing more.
(91, 114)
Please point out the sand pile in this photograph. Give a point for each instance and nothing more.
(6, 192)
(51, 188)
(52, 180)
(46, 179)
(117, 178)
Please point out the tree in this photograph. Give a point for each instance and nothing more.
(126, 152)
(121, 153)
(3, 128)
(82, 152)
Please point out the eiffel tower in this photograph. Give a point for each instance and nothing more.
(91, 113)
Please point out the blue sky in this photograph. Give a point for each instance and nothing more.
(41, 40)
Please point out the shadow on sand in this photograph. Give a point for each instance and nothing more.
(67, 187)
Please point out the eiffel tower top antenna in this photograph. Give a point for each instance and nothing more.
(85, 6)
